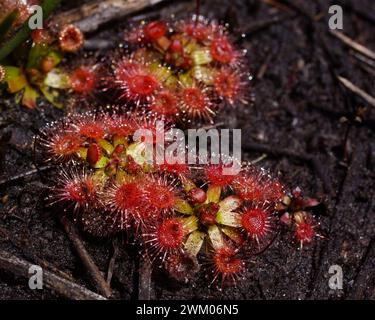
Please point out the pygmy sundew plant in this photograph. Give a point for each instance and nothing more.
(231, 224)
(184, 70)
(179, 213)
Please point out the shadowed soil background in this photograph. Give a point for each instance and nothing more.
(315, 132)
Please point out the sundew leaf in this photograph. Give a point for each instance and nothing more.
(51, 95)
(229, 204)
(232, 233)
(15, 79)
(194, 242)
(228, 218)
(213, 194)
(57, 79)
(29, 98)
(36, 53)
(183, 206)
(216, 237)
(190, 224)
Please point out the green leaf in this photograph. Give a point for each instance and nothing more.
(229, 218)
(36, 53)
(229, 204)
(15, 78)
(194, 242)
(102, 162)
(183, 206)
(188, 184)
(201, 56)
(29, 97)
(202, 74)
(57, 79)
(190, 224)
(216, 237)
(104, 144)
(213, 194)
(233, 234)
(52, 96)
(186, 79)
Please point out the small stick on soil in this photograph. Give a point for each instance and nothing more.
(358, 91)
(25, 174)
(101, 284)
(64, 287)
(111, 265)
(257, 160)
(361, 58)
(90, 16)
(144, 285)
(354, 45)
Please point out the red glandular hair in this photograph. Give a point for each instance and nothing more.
(83, 80)
(63, 140)
(226, 265)
(164, 238)
(304, 228)
(59, 141)
(70, 38)
(257, 223)
(124, 203)
(165, 103)
(89, 127)
(160, 195)
(77, 188)
(195, 102)
(257, 186)
(214, 174)
(136, 82)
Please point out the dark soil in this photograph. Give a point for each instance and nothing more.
(299, 114)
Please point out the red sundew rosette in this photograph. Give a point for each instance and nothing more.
(99, 140)
(84, 84)
(232, 225)
(204, 69)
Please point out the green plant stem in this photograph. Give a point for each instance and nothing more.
(6, 24)
(47, 6)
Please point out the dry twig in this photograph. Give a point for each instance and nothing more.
(25, 174)
(90, 16)
(94, 271)
(358, 91)
(64, 287)
(354, 45)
